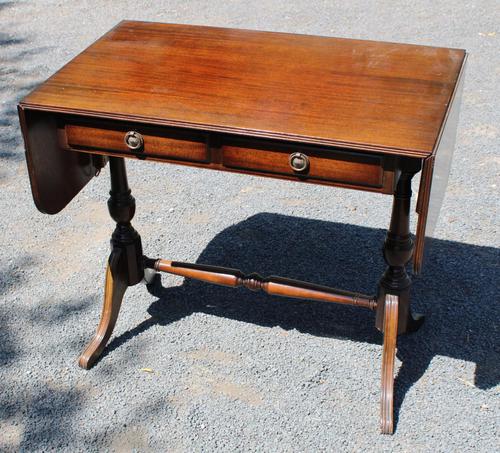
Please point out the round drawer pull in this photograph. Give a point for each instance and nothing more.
(134, 140)
(299, 162)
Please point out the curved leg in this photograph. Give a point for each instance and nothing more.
(389, 352)
(125, 266)
(115, 287)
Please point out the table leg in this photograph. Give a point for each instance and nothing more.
(388, 355)
(114, 290)
(398, 250)
(394, 315)
(125, 266)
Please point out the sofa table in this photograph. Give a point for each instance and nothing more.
(348, 113)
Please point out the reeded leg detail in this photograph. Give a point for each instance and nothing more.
(388, 356)
(115, 287)
(393, 302)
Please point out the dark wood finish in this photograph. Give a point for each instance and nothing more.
(393, 314)
(87, 138)
(125, 264)
(277, 286)
(341, 167)
(362, 114)
(56, 176)
(435, 174)
(114, 290)
(309, 89)
(388, 355)
(332, 167)
(398, 250)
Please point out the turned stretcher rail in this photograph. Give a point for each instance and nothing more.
(277, 286)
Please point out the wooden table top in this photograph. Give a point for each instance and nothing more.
(341, 92)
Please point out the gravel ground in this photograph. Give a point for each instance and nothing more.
(233, 370)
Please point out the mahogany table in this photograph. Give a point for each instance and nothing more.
(356, 114)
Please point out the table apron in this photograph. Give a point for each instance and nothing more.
(365, 171)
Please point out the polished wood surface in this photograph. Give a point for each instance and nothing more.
(56, 176)
(343, 167)
(398, 250)
(114, 290)
(277, 286)
(388, 355)
(436, 169)
(88, 138)
(349, 113)
(210, 85)
(125, 263)
(335, 167)
(339, 92)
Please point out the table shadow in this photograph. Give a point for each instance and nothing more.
(457, 292)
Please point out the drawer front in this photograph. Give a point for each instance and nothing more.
(342, 167)
(156, 143)
(307, 163)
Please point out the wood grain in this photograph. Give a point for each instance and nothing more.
(332, 167)
(341, 167)
(434, 179)
(339, 92)
(84, 137)
(364, 115)
(56, 176)
(276, 286)
(388, 355)
(114, 290)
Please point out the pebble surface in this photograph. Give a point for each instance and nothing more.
(192, 367)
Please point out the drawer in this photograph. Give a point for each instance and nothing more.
(153, 142)
(336, 166)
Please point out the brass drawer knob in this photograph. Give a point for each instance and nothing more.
(299, 162)
(134, 140)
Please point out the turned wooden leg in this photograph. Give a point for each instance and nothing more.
(388, 355)
(115, 287)
(393, 302)
(398, 250)
(125, 266)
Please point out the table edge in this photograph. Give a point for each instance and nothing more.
(253, 133)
